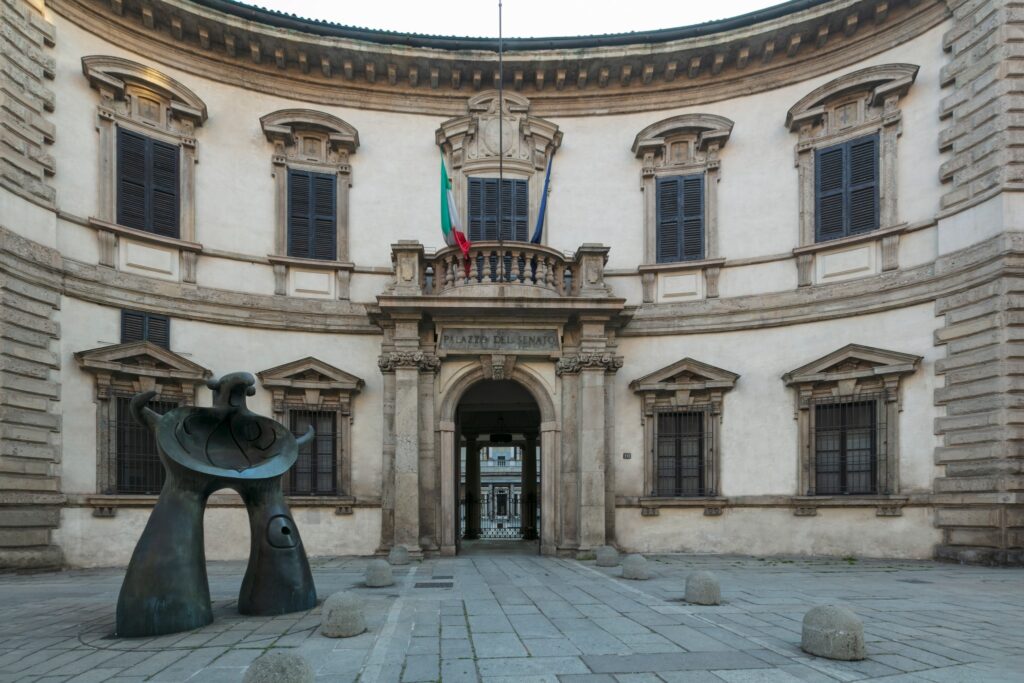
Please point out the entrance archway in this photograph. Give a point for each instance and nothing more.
(530, 393)
(499, 467)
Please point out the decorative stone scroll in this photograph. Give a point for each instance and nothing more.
(570, 365)
(426, 362)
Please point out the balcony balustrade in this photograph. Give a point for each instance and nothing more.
(495, 268)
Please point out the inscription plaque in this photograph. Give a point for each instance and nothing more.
(509, 340)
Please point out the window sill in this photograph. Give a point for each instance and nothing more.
(143, 236)
(680, 265)
(105, 505)
(311, 263)
(876, 234)
(885, 505)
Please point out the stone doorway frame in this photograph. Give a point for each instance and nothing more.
(549, 433)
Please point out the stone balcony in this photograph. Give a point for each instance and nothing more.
(500, 270)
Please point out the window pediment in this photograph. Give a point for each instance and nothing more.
(473, 139)
(311, 382)
(702, 131)
(685, 382)
(877, 89)
(139, 366)
(853, 362)
(286, 128)
(138, 91)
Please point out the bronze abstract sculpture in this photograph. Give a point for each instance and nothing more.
(203, 450)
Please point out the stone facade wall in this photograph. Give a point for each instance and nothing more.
(981, 121)
(981, 493)
(30, 411)
(25, 74)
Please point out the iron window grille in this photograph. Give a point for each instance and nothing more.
(139, 470)
(315, 472)
(682, 443)
(849, 445)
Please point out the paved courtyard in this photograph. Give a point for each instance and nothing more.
(508, 617)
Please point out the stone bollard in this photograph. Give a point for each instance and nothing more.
(378, 574)
(702, 589)
(279, 667)
(342, 616)
(607, 556)
(634, 567)
(398, 555)
(833, 632)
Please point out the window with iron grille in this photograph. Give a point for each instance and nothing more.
(680, 448)
(849, 440)
(315, 472)
(138, 466)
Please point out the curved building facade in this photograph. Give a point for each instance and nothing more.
(749, 287)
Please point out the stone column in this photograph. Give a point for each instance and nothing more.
(528, 500)
(549, 439)
(407, 485)
(592, 458)
(472, 488)
(449, 488)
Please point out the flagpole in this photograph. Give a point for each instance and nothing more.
(501, 123)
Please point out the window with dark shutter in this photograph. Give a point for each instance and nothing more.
(137, 463)
(315, 472)
(680, 221)
(312, 215)
(679, 453)
(847, 435)
(139, 326)
(147, 184)
(484, 212)
(846, 188)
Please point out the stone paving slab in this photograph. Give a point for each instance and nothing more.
(531, 619)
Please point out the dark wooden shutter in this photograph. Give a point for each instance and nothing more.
(324, 217)
(515, 216)
(489, 209)
(147, 184)
(846, 188)
(138, 326)
(164, 205)
(475, 206)
(133, 326)
(830, 185)
(668, 229)
(863, 184)
(692, 217)
(300, 192)
(158, 330)
(131, 179)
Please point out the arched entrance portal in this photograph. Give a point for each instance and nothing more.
(498, 469)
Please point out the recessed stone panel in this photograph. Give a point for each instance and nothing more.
(312, 283)
(147, 259)
(680, 287)
(846, 264)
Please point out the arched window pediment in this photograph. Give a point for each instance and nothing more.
(115, 77)
(704, 129)
(878, 84)
(286, 125)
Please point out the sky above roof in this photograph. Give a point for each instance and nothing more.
(520, 18)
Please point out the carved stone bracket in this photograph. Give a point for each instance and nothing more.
(568, 365)
(497, 366)
(426, 362)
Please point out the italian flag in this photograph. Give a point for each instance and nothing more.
(450, 225)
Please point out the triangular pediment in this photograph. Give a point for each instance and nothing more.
(852, 361)
(685, 374)
(141, 358)
(310, 373)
